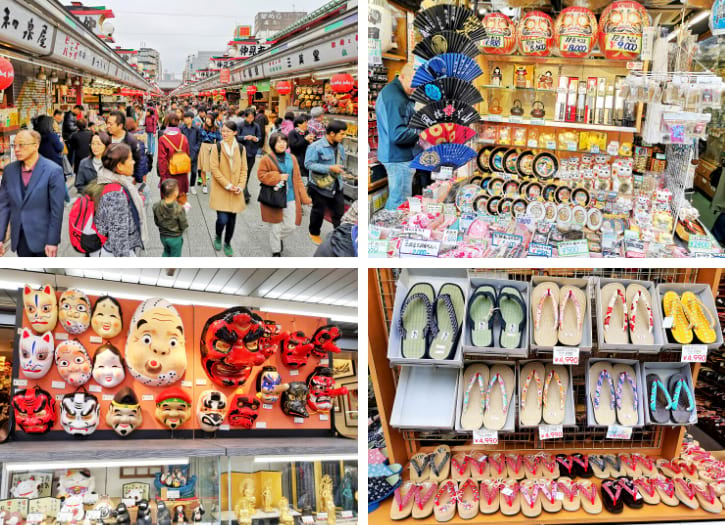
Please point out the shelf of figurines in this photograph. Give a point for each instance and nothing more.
(513, 119)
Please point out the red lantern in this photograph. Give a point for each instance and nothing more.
(251, 90)
(284, 87)
(500, 36)
(576, 32)
(7, 73)
(620, 30)
(342, 83)
(536, 34)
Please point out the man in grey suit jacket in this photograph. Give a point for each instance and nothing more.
(31, 200)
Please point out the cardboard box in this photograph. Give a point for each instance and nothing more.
(591, 421)
(569, 406)
(425, 398)
(510, 425)
(665, 371)
(704, 292)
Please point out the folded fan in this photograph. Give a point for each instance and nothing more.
(445, 42)
(446, 111)
(447, 132)
(447, 89)
(445, 17)
(453, 155)
(449, 65)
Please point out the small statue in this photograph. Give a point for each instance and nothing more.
(520, 77)
(163, 516)
(331, 511)
(143, 516)
(285, 518)
(496, 77)
(180, 515)
(348, 501)
(244, 516)
(121, 514)
(247, 500)
(267, 499)
(197, 513)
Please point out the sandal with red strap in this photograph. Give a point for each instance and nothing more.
(707, 497)
(647, 490)
(582, 468)
(630, 494)
(572, 499)
(515, 464)
(444, 504)
(666, 490)
(566, 465)
(424, 500)
(647, 464)
(611, 496)
(403, 501)
(479, 467)
(590, 500)
(685, 493)
(510, 502)
(669, 468)
(530, 503)
(468, 500)
(489, 495)
(531, 466)
(548, 466)
(548, 488)
(460, 468)
(497, 466)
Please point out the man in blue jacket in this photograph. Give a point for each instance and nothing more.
(193, 135)
(396, 141)
(31, 200)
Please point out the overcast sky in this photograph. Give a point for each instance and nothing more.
(179, 28)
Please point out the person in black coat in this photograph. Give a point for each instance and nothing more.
(79, 146)
(50, 145)
(92, 164)
(193, 135)
(70, 121)
(299, 139)
(251, 137)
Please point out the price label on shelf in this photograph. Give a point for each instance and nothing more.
(308, 519)
(61, 336)
(261, 424)
(694, 354)
(550, 144)
(484, 436)
(540, 250)
(324, 417)
(93, 515)
(536, 122)
(494, 118)
(20, 382)
(434, 207)
(564, 355)
(450, 236)
(346, 514)
(571, 146)
(107, 397)
(515, 119)
(57, 385)
(322, 516)
(187, 384)
(35, 517)
(96, 339)
(551, 432)
(173, 494)
(667, 322)
(578, 248)
(200, 382)
(324, 362)
(267, 406)
(415, 205)
(619, 432)
(294, 372)
(532, 143)
(226, 427)
(416, 248)
(95, 388)
(378, 249)
(147, 397)
(299, 420)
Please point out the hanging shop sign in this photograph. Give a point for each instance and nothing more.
(328, 52)
(24, 29)
(251, 90)
(7, 73)
(252, 72)
(283, 87)
(70, 50)
(225, 76)
(342, 83)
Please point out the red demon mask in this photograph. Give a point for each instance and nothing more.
(269, 342)
(321, 386)
(296, 349)
(244, 412)
(324, 340)
(34, 410)
(230, 346)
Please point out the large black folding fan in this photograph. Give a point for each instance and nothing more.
(447, 88)
(445, 42)
(449, 17)
(444, 111)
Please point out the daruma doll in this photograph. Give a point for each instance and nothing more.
(500, 36)
(620, 30)
(536, 34)
(576, 32)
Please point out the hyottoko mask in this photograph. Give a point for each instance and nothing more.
(41, 308)
(296, 349)
(244, 411)
(124, 413)
(211, 409)
(321, 386)
(269, 385)
(36, 353)
(108, 368)
(73, 362)
(269, 342)
(230, 346)
(74, 311)
(34, 410)
(106, 319)
(79, 413)
(173, 407)
(294, 400)
(324, 340)
(156, 346)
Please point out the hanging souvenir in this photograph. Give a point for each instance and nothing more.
(269, 385)
(74, 311)
(269, 342)
(36, 353)
(124, 413)
(41, 308)
(448, 65)
(244, 411)
(447, 132)
(34, 410)
(106, 318)
(576, 32)
(447, 88)
(536, 34)
(79, 413)
(108, 367)
(321, 387)
(73, 362)
(324, 339)
(446, 154)
(445, 42)
(173, 407)
(500, 38)
(230, 346)
(446, 17)
(211, 409)
(156, 344)
(294, 400)
(620, 29)
(296, 349)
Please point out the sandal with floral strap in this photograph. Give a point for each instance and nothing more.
(475, 379)
(688, 469)
(530, 504)
(530, 409)
(440, 463)
(611, 496)
(669, 468)
(630, 494)
(545, 302)
(419, 467)
(647, 490)
(701, 318)
(548, 466)
(497, 401)
(685, 493)
(424, 500)
(460, 467)
(582, 468)
(647, 464)
(615, 465)
(548, 489)
(468, 499)
(531, 466)
(599, 466)
(590, 500)
(515, 464)
(553, 410)
(403, 501)
(707, 497)
(570, 328)
(627, 401)
(572, 499)
(631, 467)
(604, 409)
(640, 333)
(568, 465)
(490, 495)
(510, 502)
(446, 499)
(497, 466)
(615, 323)
(479, 467)
(682, 412)
(666, 490)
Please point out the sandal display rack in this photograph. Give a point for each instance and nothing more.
(657, 441)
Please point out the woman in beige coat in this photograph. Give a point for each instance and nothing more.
(229, 176)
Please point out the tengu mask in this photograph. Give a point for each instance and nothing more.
(36, 353)
(296, 348)
(41, 308)
(294, 400)
(269, 342)
(269, 385)
(324, 340)
(74, 311)
(244, 411)
(230, 346)
(173, 407)
(320, 384)
(108, 368)
(73, 362)
(34, 410)
(124, 413)
(79, 413)
(211, 409)
(106, 319)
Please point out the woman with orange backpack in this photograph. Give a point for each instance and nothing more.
(174, 161)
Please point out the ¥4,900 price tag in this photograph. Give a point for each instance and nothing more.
(551, 432)
(694, 353)
(618, 432)
(483, 436)
(563, 355)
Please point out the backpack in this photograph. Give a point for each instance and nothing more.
(180, 162)
(219, 150)
(84, 236)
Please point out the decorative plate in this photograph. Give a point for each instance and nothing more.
(511, 188)
(495, 186)
(492, 205)
(518, 208)
(580, 196)
(548, 192)
(525, 163)
(466, 196)
(495, 159)
(484, 155)
(545, 165)
(536, 210)
(509, 161)
(479, 204)
(505, 205)
(534, 190)
(563, 195)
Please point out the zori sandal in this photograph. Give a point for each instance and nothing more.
(509, 502)
(548, 466)
(660, 401)
(481, 315)
(669, 468)
(630, 494)
(572, 309)
(468, 500)
(582, 468)
(515, 466)
(646, 464)
(498, 397)
(531, 466)
(440, 463)
(611, 496)
(447, 319)
(548, 490)
(631, 467)
(603, 395)
(403, 500)
(572, 500)
(545, 311)
(512, 310)
(688, 469)
(423, 506)
(616, 468)
(479, 467)
(415, 321)
(489, 496)
(706, 497)
(685, 493)
(696, 312)
(419, 468)
(475, 381)
(666, 490)
(683, 402)
(554, 399)
(530, 503)
(641, 321)
(590, 500)
(615, 317)
(566, 466)
(647, 490)
(444, 504)
(627, 395)
(460, 467)
(531, 398)
(599, 466)
(681, 330)
(497, 466)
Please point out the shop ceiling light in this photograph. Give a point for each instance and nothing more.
(14, 285)
(305, 457)
(699, 17)
(344, 318)
(98, 463)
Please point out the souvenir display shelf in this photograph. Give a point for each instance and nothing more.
(665, 442)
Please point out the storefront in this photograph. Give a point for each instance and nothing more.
(153, 408)
(545, 396)
(548, 138)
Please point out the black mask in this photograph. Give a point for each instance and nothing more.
(294, 400)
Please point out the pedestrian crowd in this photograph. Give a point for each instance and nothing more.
(300, 161)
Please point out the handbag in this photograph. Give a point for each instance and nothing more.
(326, 181)
(271, 195)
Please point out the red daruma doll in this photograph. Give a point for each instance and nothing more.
(576, 32)
(620, 30)
(500, 36)
(536, 34)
